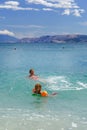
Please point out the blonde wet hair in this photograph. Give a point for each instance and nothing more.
(38, 88)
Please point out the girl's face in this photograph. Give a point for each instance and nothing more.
(38, 88)
(32, 72)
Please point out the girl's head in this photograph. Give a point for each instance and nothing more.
(38, 88)
(31, 71)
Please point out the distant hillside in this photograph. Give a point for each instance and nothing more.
(7, 39)
(45, 39)
(55, 39)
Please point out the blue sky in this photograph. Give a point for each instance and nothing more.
(34, 18)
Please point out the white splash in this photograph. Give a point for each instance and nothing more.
(58, 83)
(84, 85)
(74, 125)
(62, 83)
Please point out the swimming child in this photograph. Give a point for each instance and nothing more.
(37, 90)
(32, 75)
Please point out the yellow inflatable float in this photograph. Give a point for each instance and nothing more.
(44, 94)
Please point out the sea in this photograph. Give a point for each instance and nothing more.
(63, 70)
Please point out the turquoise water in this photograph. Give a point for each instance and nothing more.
(63, 67)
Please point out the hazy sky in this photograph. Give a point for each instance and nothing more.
(33, 18)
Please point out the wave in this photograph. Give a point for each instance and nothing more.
(83, 85)
(62, 83)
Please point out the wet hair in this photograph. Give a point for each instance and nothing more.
(31, 70)
(38, 88)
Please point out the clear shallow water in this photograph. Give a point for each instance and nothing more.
(64, 68)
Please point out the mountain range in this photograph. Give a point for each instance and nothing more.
(7, 39)
(45, 39)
